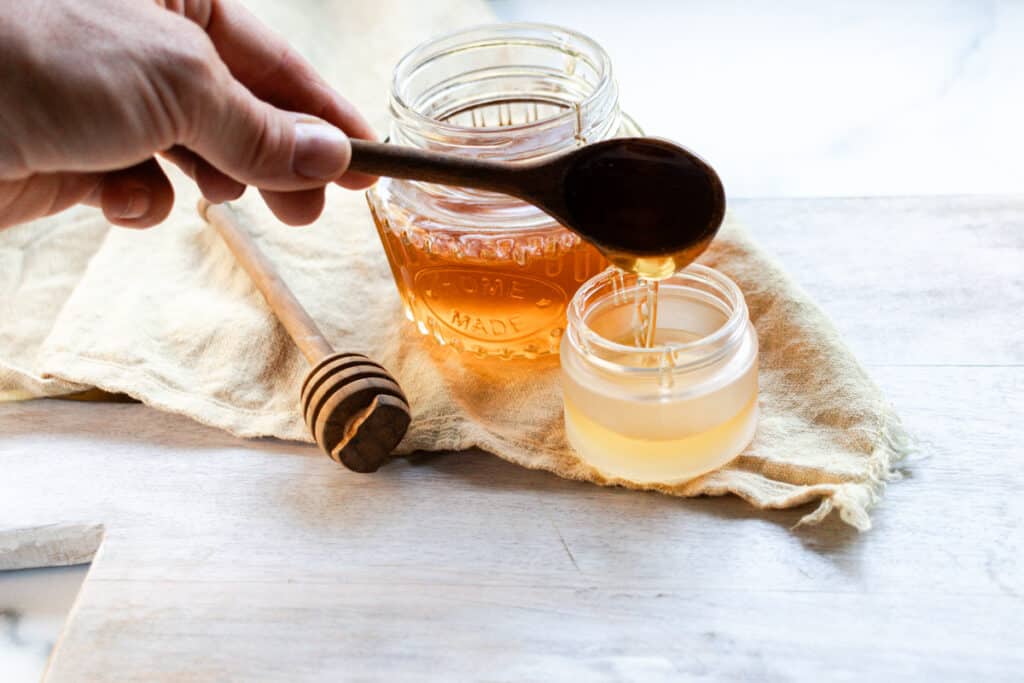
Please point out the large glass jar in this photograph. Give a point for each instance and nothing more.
(674, 407)
(485, 273)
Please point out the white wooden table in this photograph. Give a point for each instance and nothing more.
(231, 560)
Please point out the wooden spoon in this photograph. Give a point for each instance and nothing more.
(650, 205)
(354, 408)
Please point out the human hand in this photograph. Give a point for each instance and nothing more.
(93, 90)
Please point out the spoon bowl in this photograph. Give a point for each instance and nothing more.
(648, 204)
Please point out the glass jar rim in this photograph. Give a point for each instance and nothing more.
(481, 35)
(716, 345)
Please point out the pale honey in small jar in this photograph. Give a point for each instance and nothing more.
(485, 273)
(659, 381)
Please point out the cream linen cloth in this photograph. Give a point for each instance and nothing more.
(166, 316)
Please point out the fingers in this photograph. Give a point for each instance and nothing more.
(268, 120)
(295, 208)
(137, 197)
(269, 67)
(43, 194)
(274, 72)
(215, 186)
(259, 144)
(353, 180)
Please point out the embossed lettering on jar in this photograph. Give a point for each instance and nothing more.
(489, 274)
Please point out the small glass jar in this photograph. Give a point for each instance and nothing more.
(671, 411)
(482, 272)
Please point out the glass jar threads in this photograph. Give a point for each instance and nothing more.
(671, 406)
(486, 273)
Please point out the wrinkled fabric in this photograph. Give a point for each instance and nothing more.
(41, 263)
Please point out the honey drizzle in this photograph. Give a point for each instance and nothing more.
(651, 321)
(644, 321)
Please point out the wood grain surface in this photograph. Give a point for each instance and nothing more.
(232, 560)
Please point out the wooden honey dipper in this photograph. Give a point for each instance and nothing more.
(354, 408)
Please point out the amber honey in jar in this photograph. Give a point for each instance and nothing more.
(486, 273)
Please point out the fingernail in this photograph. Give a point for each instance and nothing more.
(321, 151)
(137, 205)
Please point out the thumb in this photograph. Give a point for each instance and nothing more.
(258, 144)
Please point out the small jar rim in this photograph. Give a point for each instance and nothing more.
(719, 343)
(428, 51)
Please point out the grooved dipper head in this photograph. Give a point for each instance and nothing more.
(355, 410)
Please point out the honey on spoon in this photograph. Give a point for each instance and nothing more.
(650, 206)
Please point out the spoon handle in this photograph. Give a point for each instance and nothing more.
(397, 161)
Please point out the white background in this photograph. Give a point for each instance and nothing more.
(800, 98)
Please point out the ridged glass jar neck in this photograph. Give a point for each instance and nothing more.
(698, 287)
(505, 91)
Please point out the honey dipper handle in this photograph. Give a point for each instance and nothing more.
(293, 316)
(398, 161)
